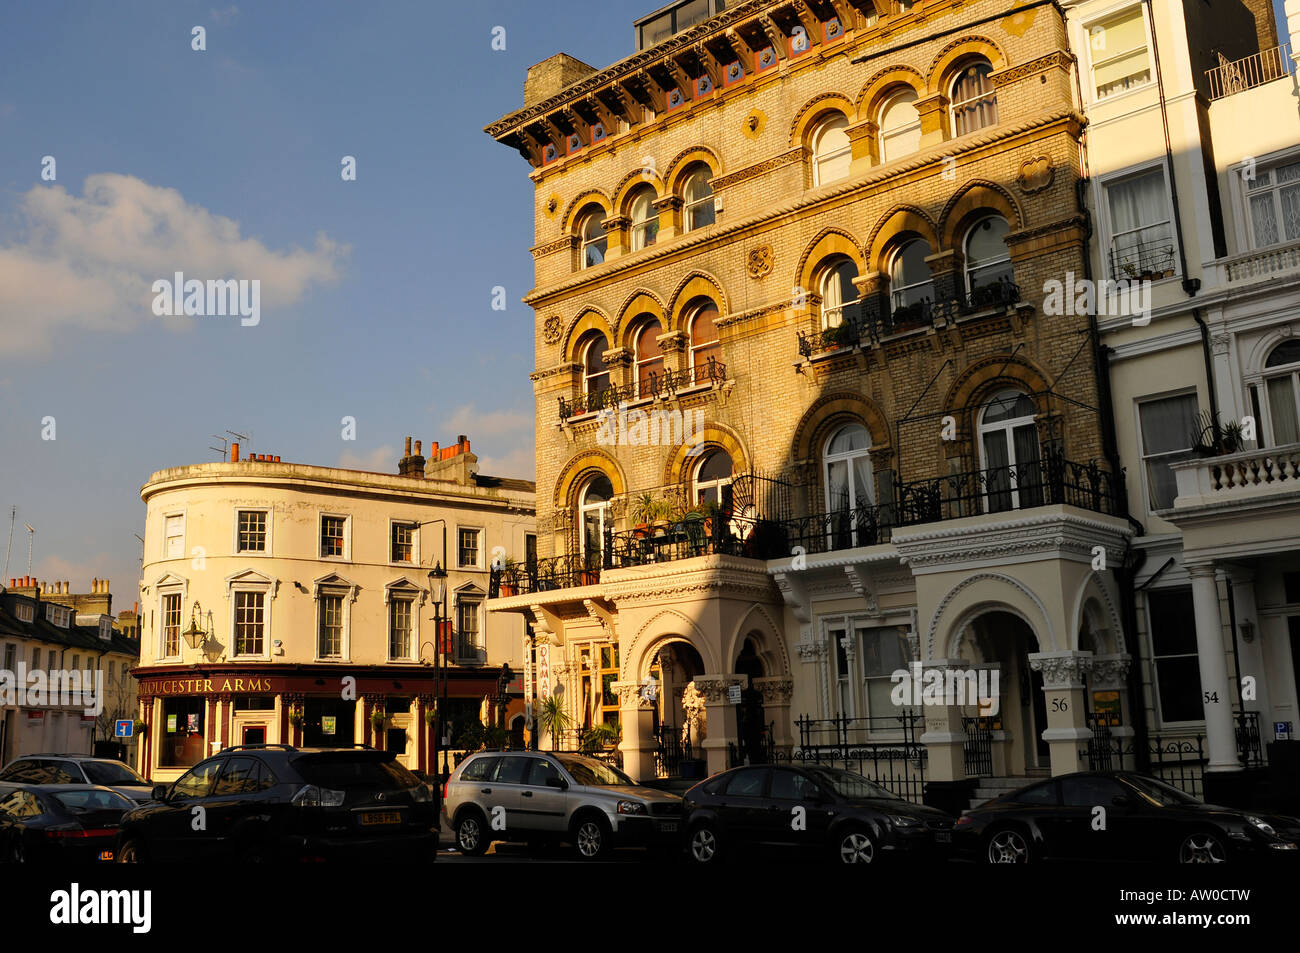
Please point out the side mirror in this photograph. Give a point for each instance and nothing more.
(560, 783)
(160, 792)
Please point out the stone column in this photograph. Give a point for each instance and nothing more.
(721, 723)
(863, 137)
(669, 208)
(944, 737)
(616, 235)
(777, 691)
(636, 715)
(933, 111)
(1250, 653)
(1220, 734)
(946, 271)
(1067, 731)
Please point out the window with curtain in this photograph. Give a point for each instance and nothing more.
(837, 291)
(1167, 425)
(594, 514)
(713, 480)
(399, 629)
(909, 274)
(1117, 47)
(900, 126)
(883, 651)
(697, 198)
(1141, 226)
(595, 373)
(330, 612)
(1282, 390)
(849, 482)
(594, 239)
(1008, 440)
(832, 154)
(704, 337)
(649, 355)
(1273, 196)
(974, 100)
(988, 260)
(645, 220)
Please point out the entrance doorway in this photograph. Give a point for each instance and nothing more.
(755, 733)
(1007, 640)
(254, 734)
(328, 723)
(675, 665)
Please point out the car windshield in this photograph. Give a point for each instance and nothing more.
(112, 772)
(83, 802)
(345, 771)
(850, 785)
(591, 771)
(1163, 794)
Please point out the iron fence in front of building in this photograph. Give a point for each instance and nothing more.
(883, 749)
(977, 751)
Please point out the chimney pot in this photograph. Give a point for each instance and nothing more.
(234, 453)
(408, 446)
(418, 444)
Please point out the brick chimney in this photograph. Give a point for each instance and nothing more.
(411, 464)
(454, 464)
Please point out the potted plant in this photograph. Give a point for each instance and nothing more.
(645, 509)
(552, 719)
(841, 335)
(430, 716)
(296, 716)
(598, 737)
(509, 585)
(141, 727)
(377, 719)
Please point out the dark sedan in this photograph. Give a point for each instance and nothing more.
(1117, 816)
(64, 822)
(814, 810)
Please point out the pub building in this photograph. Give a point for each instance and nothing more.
(294, 604)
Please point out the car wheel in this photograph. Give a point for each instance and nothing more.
(1008, 846)
(855, 846)
(591, 837)
(132, 852)
(471, 836)
(704, 845)
(1203, 847)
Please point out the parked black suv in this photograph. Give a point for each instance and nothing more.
(277, 802)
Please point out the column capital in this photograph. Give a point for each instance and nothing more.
(714, 687)
(1061, 670)
(1200, 570)
(776, 689)
(1110, 671)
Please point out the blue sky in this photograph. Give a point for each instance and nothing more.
(382, 286)
(376, 297)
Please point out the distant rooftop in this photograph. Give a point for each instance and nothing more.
(653, 28)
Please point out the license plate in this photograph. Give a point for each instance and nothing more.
(372, 818)
(943, 837)
(105, 855)
(668, 826)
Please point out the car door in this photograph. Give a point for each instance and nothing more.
(794, 815)
(1039, 806)
(1090, 826)
(502, 803)
(742, 806)
(179, 831)
(542, 807)
(235, 797)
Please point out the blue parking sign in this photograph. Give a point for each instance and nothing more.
(123, 728)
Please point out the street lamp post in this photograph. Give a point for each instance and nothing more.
(438, 592)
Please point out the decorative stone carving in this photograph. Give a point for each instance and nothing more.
(714, 687)
(1036, 175)
(552, 329)
(754, 123)
(758, 262)
(1110, 671)
(695, 715)
(1219, 343)
(1062, 670)
(776, 689)
(811, 651)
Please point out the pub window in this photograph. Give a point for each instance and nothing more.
(250, 623)
(182, 734)
(252, 531)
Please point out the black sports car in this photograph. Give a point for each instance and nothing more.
(815, 810)
(1117, 816)
(59, 822)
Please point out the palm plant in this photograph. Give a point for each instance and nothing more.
(552, 718)
(600, 735)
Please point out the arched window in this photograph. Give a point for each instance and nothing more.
(649, 355)
(595, 373)
(1008, 442)
(704, 338)
(593, 236)
(1282, 384)
(645, 220)
(830, 150)
(910, 282)
(849, 486)
(988, 260)
(697, 196)
(593, 511)
(974, 100)
(900, 126)
(837, 291)
(713, 480)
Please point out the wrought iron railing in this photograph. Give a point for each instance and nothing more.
(977, 751)
(1049, 480)
(1240, 75)
(884, 749)
(849, 528)
(545, 575)
(663, 384)
(1148, 257)
(1250, 743)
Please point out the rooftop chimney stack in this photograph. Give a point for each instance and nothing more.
(234, 453)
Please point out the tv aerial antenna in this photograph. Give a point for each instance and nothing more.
(224, 449)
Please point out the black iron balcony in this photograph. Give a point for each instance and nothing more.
(695, 535)
(1046, 481)
(846, 528)
(1146, 254)
(666, 384)
(545, 575)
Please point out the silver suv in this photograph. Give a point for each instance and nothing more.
(537, 796)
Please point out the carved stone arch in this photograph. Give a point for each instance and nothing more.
(672, 176)
(829, 241)
(590, 318)
(1263, 347)
(696, 284)
(630, 183)
(982, 378)
(679, 465)
(937, 79)
(812, 111)
(971, 199)
(1093, 589)
(868, 99)
(576, 472)
(771, 651)
(637, 303)
(899, 220)
(831, 410)
(997, 592)
(580, 202)
(667, 625)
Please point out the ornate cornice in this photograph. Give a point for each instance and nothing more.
(1057, 58)
(757, 169)
(1062, 670)
(549, 248)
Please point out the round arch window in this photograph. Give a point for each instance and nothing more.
(831, 151)
(713, 480)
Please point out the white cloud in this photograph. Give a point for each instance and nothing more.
(520, 464)
(225, 15)
(89, 262)
(380, 460)
(467, 419)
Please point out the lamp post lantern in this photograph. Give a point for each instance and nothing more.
(438, 592)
